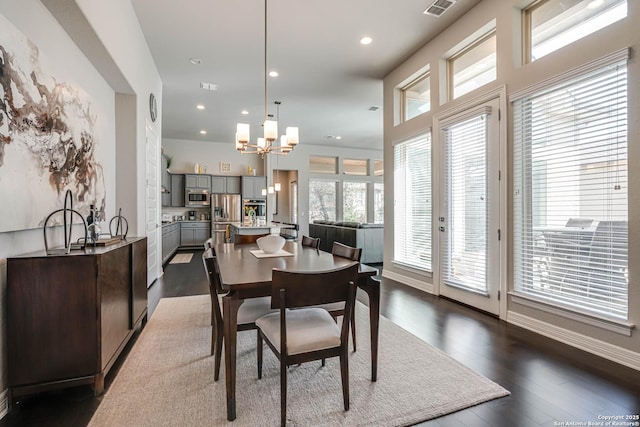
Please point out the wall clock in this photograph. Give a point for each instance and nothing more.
(153, 107)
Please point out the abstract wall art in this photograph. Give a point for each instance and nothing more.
(49, 138)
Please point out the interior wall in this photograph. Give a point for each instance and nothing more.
(185, 153)
(515, 76)
(111, 58)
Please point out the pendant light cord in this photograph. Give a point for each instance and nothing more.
(265, 60)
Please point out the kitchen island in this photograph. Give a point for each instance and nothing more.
(252, 230)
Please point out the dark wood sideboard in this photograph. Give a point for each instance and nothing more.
(70, 316)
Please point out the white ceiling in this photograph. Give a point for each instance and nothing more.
(328, 80)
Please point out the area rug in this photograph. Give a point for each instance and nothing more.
(181, 259)
(167, 379)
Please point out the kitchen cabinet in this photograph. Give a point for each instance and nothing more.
(225, 184)
(170, 240)
(252, 187)
(177, 190)
(194, 233)
(197, 181)
(69, 316)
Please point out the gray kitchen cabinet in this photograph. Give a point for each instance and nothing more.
(218, 184)
(177, 190)
(200, 182)
(194, 233)
(233, 185)
(170, 240)
(225, 184)
(252, 187)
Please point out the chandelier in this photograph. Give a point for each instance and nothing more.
(269, 143)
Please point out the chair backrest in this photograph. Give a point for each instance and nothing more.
(307, 288)
(312, 242)
(213, 273)
(241, 239)
(345, 251)
(579, 222)
(609, 245)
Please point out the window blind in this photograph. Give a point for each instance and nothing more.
(412, 202)
(570, 192)
(465, 242)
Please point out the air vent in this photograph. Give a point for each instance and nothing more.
(374, 108)
(439, 7)
(208, 86)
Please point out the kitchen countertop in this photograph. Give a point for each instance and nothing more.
(268, 225)
(203, 221)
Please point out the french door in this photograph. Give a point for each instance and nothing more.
(469, 212)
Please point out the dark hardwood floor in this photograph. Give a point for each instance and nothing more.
(550, 383)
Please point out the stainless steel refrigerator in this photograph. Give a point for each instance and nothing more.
(225, 208)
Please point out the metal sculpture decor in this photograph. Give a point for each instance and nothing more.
(122, 226)
(67, 218)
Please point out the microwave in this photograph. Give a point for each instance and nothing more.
(194, 198)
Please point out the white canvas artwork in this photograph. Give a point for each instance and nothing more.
(49, 138)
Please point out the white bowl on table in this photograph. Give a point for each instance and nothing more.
(270, 244)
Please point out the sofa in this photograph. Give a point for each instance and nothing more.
(368, 237)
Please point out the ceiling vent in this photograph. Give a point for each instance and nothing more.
(374, 108)
(208, 86)
(439, 7)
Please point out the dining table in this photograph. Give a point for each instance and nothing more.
(245, 272)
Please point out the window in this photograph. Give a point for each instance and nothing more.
(473, 67)
(378, 168)
(354, 201)
(320, 164)
(552, 24)
(355, 167)
(412, 202)
(378, 203)
(570, 183)
(416, 97)
(322, 200)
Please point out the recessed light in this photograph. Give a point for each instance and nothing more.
(200, 107)
(366, 40)
(274, 74)
(245, 112)
(338, 137)
(195, 61)
(203, 132)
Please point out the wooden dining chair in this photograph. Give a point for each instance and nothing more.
(249, 311)
(242, 239)
(340, 249)
(312, 242)
(308, 332)
(337, 309)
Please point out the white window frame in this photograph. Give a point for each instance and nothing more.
(521, 294)
(405, 253)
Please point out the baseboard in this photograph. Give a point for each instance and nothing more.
(4, 403)
(591, 345)
(414, 283)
